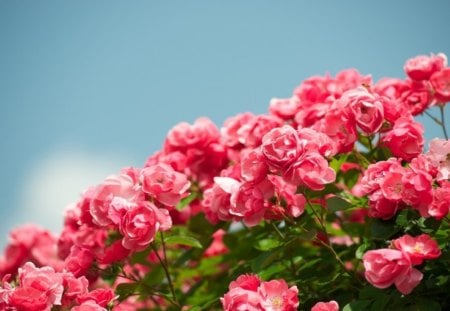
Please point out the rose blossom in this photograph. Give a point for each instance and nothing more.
(243, 294)
(164, 183)
(440, 81)
(254, 165)
(281, 146)
(405, 140)
(88, 306)
(384, 267)
(417, 248)
(422, 67)
(311, 170)
(366, 108)
(326, 306)
(277, 296)
(380, 207)
(284, 108)
(140, 224)
(230, 129)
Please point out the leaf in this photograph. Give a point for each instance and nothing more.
(424, 304)
(267, 244)
(335, 204)
(357, 305)
(186, 201)
(361, 250)
(383, 230)
(183, 240)
(125, 290)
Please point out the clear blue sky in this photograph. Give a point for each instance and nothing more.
(115, 76)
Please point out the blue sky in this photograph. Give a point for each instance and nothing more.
(89, 86)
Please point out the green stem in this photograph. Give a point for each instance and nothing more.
(166, 271)
(441, 108)
(274, 226)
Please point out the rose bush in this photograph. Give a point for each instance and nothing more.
(327, 202)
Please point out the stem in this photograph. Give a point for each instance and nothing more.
(441, 108)
(277, 230)
(433, 118)
(166, 271)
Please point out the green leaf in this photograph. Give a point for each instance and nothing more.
(337, 162)
(183, 240)
(335, 204)
(424, 304)
(357, 305)
(125, 290)
(267, 244)
(186, 201)
(361, 250)
(383, 230)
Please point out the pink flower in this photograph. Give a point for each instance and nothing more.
(417, 188)
(122, 186)
(417, 96)
(441, 203)
(385, 267)
(217, 198)
(254, 165)
(285, 108)
(365, 108)
(422, 67)
(311, 170)
(88, 306)
(231, 128)
(312, 140)
(326, 306)
(40, 286)
(217, 246)
(251, 133)
(340, 129)
(248, 203)
(281, 146)
(79, 260)
(439, 156)
(243, 294)
(376, 172)
(440, 81)
(140, 224)
(101, 296)
(417, 248)
(277, 296)
(73, 287)
(380, 207)
(163, 183)
(198, 135)
(405, 140)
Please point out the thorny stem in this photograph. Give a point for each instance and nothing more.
(166, 271)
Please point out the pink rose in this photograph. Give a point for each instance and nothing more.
(326, 306)
(417, 96)
(230, 129)
(417, 248)
(405, 140)
(79, 260)
(88, 306)
(365, 108)
(254, 165)
(101, 296)
(113, 186)
(165, 184)
(217, 247)
(312, 140)
(311, 170)
(422, 67)
(40, 286)
(140, 224)
(217, 199)
(375, 173)
(440, 81)
(248, 203)
(243, 294)
(198, 135)
(277, 296)
(285, 108)
(385, 267)
(340, 129)
(251, 133)
(281, 146)
(380, 207)
(441, 203)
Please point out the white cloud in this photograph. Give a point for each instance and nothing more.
(58, 180)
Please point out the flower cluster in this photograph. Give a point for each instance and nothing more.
(301, 195)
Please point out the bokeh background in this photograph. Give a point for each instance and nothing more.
(88, 87)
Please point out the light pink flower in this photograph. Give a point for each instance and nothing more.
(165, 184)
(312, 140)
(79, 260)
(281, 146)
(243, 294)
(439, 156)
(405, 140)
(417, 188)
(140, 224)
(417, 248)
(440, 81)
(251, 133)
(101, 296)
(248, 204)
(326, 306)
(385, 267)
(441, 202)
(277, 296)
(198, 135)
(217, 247)
(311, 170)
